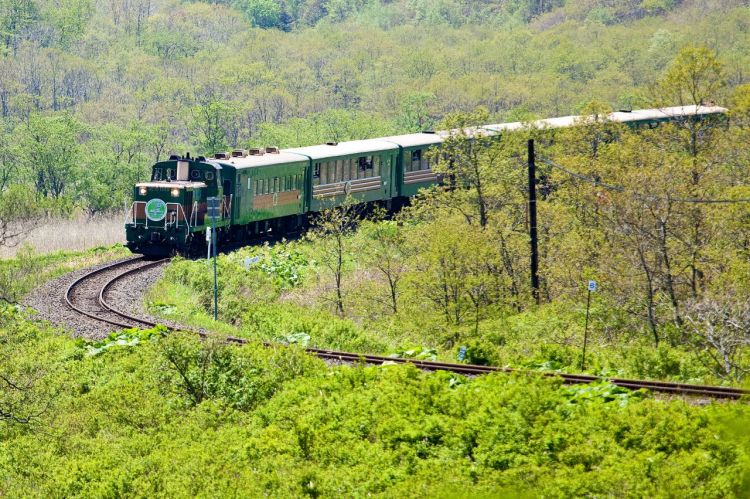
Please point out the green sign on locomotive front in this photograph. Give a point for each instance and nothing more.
(156, 210)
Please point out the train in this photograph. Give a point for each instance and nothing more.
(265, 191)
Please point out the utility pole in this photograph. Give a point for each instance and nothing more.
(532, 223)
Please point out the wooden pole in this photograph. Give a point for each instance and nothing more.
(532, 223)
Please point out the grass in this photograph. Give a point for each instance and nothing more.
(29, 270)
(76, 234)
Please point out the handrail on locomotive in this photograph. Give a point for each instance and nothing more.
(172, 218)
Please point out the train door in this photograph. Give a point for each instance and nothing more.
(228, 198)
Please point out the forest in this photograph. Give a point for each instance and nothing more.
(93, 92)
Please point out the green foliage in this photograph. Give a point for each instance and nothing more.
(177, 416)
(125, 338)
(28, 269)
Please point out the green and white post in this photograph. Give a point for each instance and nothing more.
(592, 288)
(213, 212)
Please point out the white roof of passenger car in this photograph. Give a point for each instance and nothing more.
(267, 159)
(618, 117)
(344, 148)
(369, 146)
(416, 139)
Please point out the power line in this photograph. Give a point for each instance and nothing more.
(651, 197)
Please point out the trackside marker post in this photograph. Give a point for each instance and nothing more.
(592, 289)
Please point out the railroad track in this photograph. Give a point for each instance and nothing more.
(88, 296)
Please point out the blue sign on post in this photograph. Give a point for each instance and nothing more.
(461, 353)
(213, 208)
(592, 286)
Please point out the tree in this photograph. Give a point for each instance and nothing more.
(475, 162)
(720, 328)
(694, 78)
(262, 13)
(332, 228)
(415, 113)
(387, 249)
(20, 213)
(49, 151)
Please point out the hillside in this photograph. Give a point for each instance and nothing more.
(119, 85)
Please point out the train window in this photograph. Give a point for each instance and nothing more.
(323, 173)
(316, 174)
(275, 187)
(195, 174)
(330, 171)
(425, 163)
(376, 166)
(157, 174)
(299, 181)
(416, 159)
(339, 170)
(365, 166)
(209, 175)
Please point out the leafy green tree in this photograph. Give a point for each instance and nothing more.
(332, 229)
(15, 17)
(49, 150)
(262, 13)
(387, 249)
(20, 211)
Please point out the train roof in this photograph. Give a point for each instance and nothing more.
(267, 159)
(416, 139)
(617, 116)
(368, 146)
(333, 150)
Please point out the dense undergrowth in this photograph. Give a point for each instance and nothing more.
(149, 414)
(286, 297)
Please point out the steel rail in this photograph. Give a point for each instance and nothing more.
(111, 308)
(718, 392)
(93, 315)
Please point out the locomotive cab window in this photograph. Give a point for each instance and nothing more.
(195, 174)
(316, 174)
(157, 174)
(209, 175)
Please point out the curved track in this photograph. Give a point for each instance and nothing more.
(88, 296)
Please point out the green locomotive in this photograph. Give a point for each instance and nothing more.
(273, 191)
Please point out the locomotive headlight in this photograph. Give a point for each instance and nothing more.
(175, 192)
(142, 191)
